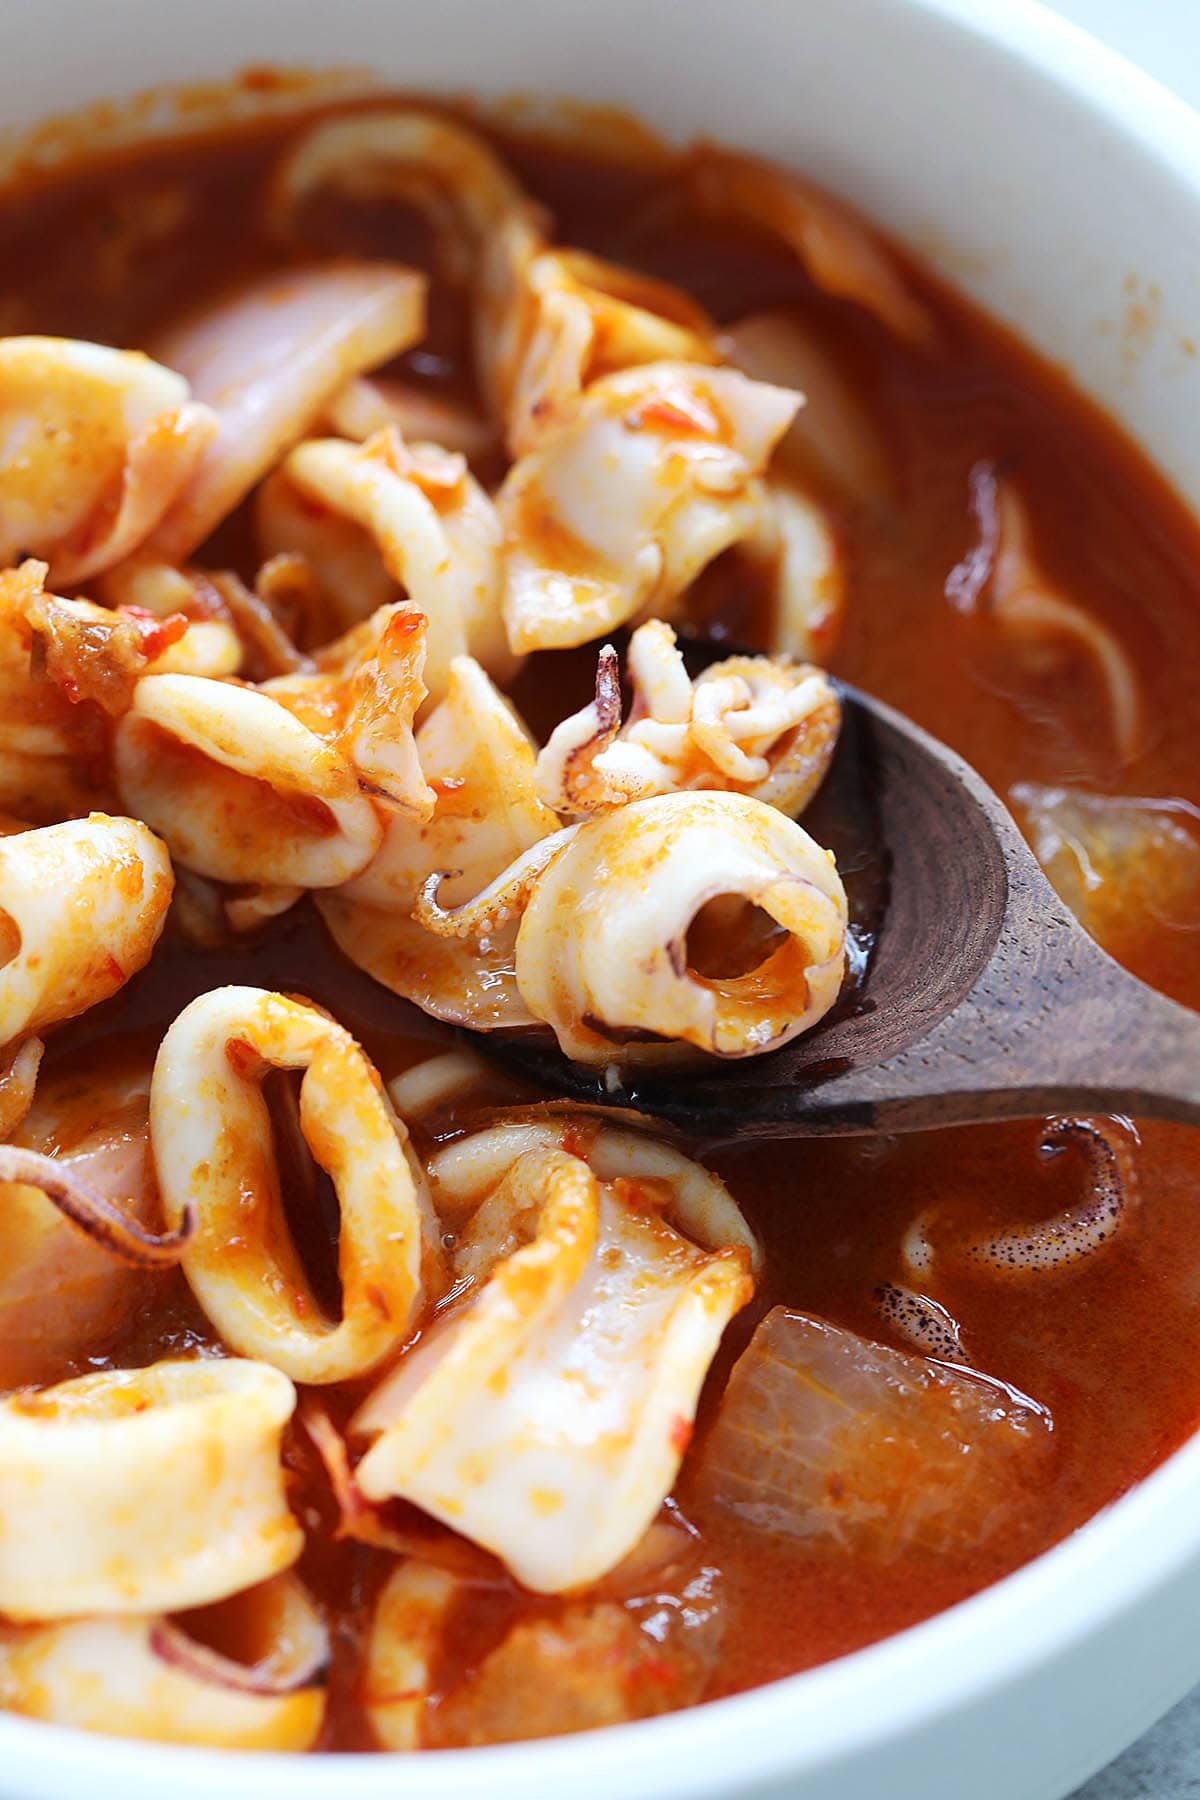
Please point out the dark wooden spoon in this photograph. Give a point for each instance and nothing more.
(972, 993)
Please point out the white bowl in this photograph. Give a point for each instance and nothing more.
(1062, 190)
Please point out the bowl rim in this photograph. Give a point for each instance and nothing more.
(1126, 1555)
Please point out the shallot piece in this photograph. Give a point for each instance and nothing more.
(147, 1677)
(214, 1152)
(654, 472)
(1080, 1230)
(268, 361)
(546, 1416)
(860, 1450)
(751, 724)
(143, 1490)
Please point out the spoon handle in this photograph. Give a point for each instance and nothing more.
(1082, 1035)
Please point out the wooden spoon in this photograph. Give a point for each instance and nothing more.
(972, 993)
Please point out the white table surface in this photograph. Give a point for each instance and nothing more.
(1163, 36)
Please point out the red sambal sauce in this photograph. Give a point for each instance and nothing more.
(1112, 1348)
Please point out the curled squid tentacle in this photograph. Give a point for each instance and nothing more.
(567, 777)
(1079, 1230)
(500, 900)
(93, 1214)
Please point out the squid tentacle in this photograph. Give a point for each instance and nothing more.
(94, 1215)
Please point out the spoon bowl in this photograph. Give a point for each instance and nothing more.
(972, 992)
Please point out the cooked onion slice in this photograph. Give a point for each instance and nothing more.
(81, 908)
(239, 788)
(1116, 859)
(268, 361)
(751, 724)
(95, 445)
(213, 1147)
(547, 1417)
(867, 1451)
(655, 472)
(793, 544)
(478, 758)
(382, 517)
(147, 1678)
(420, 415)
(602, 949)
(143, 1490)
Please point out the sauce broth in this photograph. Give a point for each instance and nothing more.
(1111, 1348)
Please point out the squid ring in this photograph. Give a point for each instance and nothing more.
(81, 908)
(602, 951)
(211, 1134)
(144, 1677)
(239, 788)
(143, 1490)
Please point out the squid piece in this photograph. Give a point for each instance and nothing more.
(403, 1645)
(95, 446)
(421, 416)
(794, 548)
(548, 321)
(100, 653)
(214, 1153)
(1001, 580)
(657, 470)
(834, 442)
(379, 518)
(751, 725)
(841, 254)
(239, 788)
(268, 361)
(1116, 859)
(81, 908)
(363, 697)
(463, 1173)
(53, 754)
(860, 1450)
(546, 1417)
(71, 1278)
(603, 951)
(143, 1490)
(478, 759)
(148, 1678)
